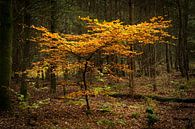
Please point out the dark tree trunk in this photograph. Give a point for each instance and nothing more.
(17, 42)
(182, 47)
(179, 45)
(167, 58)
(26, 49)
(131, 61)
(154, 55)
(85, 85)
(185, 38)
(53, 30)
(5, 52)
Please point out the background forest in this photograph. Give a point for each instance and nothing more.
(84, 64)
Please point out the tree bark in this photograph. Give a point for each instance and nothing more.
(154, 55)
(26, 48)
(131, 61)
(167, 58)
(85, 85)
(5, 52)
(182, 46)
(53, 30)
(185, 38)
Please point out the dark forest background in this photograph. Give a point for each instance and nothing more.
(18, 51)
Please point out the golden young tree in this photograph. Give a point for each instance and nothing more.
(104, 37)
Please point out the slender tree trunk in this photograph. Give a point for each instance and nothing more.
(53, 79)
(167, 58)
(17, 43)
(154, 69)
(105, 9)
(154, 55)
(85, 85)
(179, 45)
(171, 57)
(131, 61)
(168, 52)
(26, 49)
(185, 38)
(53, 30)
(182, 47)
(5, 52)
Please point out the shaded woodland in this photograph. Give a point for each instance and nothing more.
(105, 64)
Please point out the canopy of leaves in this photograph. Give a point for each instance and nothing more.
(106, 37)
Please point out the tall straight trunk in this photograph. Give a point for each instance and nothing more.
(171, 57)
(26, 49)
(167, 58)
(52, 67)
(5, 52)
(185, 38)
(105, 10)
(154, 55)
(154, 68)
(179, 45)
(131, 61)
(168, 52)
(91, 5)
(116, 9)
(110, 10)
(17, 42)
(53, 15)
(182, 48)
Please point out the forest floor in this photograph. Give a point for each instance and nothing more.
(106, 112)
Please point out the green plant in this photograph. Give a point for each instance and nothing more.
(121, 121)
(192, 82)
(80, 102)
(181, 85)
(135, 115)
(110, 124)
(54, 127)
(105, 108)
(106, 122)
(152, 118)
(150, 110)
(24, 104)
(182, 88)
(88, 112)
(151, 103)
